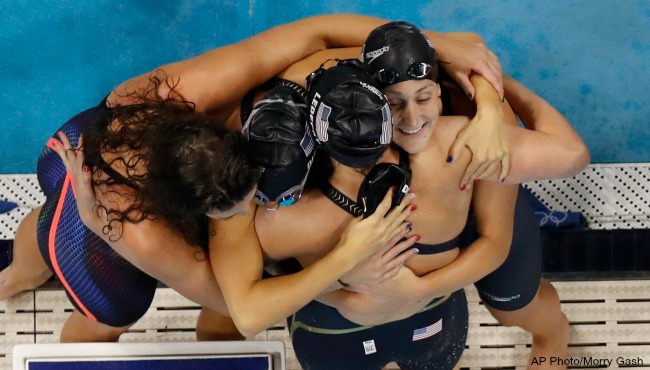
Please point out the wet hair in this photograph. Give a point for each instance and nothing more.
(181, 163)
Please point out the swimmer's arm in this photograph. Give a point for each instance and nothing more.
(256, 303)
(165, 255)
(548, 148)
(464, 54)
(484, 136)
(222, 76)
(149, 245)
(494, 209)
(493, 206)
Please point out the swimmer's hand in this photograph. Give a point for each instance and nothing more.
(403, 286)
(484, 136)
(73, 158)
(375, 243)
(382, 265)
(464, 54)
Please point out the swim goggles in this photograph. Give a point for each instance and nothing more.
(416, 71)
(285, 199)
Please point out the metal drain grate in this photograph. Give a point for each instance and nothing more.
(23, 190)
(610, 196)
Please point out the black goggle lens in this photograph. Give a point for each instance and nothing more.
(419, 70)
(389, 76)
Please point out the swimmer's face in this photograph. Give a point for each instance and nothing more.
(241, 208)
(415, 107)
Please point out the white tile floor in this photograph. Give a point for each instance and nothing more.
(609, 319)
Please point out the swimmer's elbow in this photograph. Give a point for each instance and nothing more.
(256, 318)
(499, 249)
(577, 158)
(583, 157)
(249, 324)
(249, 333)
(502, 254)
(561, 160)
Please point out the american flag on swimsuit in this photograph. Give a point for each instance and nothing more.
(428, 331)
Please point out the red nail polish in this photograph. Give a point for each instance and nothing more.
(413, 207)
(476, 181)
(463, 187)
(417, 237)
(85, 169)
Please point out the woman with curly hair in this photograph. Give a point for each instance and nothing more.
(158, 168)
(162, 157)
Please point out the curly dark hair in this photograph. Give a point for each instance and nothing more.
(181, 163)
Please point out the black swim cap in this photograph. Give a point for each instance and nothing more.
(280, 141)
(348, 114)
(397, 52)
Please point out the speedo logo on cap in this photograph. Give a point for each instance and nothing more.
(374, 54)
(372, 89)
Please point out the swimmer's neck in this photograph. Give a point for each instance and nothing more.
(346, 179)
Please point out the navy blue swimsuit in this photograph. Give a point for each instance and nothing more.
(437, 248)
(98, 281)
(433, 338)
(515, 283)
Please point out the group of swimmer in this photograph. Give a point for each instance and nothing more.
(232, 178)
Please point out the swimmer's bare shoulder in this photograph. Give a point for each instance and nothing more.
(307, 229)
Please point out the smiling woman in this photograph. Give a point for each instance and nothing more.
(148, 168)
(415, 110)
(204, 102)
(161, 152)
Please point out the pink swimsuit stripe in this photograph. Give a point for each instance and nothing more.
(50, 143)
(52, 246)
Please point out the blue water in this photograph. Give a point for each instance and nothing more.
(587, 57)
